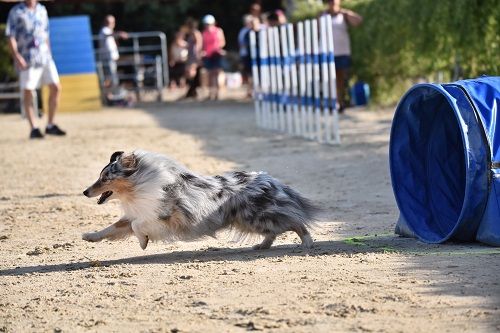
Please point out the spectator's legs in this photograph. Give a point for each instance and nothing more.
(28, 107)
(115, 81)
(111, 80)
(249, 86)
(214, 83)
(54, 93)
(342, 77)
(193, 76)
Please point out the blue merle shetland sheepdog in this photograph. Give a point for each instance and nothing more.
(163, 200)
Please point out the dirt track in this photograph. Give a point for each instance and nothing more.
(359, 276)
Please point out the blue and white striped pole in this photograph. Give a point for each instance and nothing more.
(294, 83)
(264, 78)
(316, 82)
(302, 80)
(325, 81)
(286, 79)
(279, 80)
(309, 80)
(257, 93)
(274, 88)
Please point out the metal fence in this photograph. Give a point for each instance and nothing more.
(143, 62)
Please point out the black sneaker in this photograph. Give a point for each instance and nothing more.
(36, 134)
(54, 130)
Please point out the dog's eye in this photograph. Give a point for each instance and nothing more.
(104, 179)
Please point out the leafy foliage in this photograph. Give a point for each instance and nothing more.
(401, 42)
(306, 9)
(404, 41)
(7, 72)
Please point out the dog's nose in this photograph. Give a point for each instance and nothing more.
(86, 193)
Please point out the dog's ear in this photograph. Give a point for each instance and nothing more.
(129, 164)
(115, 156)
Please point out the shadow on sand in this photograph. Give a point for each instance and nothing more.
(346, 247)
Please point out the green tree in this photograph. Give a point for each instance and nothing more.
(7, 72)
(402, 42)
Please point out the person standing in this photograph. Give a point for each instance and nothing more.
(213, 43)
(194, 41)
(255, 10)
(178, 55)
(27, 31)
(244, 49)
(109, 54)
(342, 19)
(255, 26)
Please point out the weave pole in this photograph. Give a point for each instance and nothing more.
(274, 87)
(302, 80)
(309, 82)
(264, 79)
(286, 82)
(325, 80)
(294, 82)
(316, 82)
(279, 80)
(257, 93)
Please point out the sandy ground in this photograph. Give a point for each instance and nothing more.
(359, 276)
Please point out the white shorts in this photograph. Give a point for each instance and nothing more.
(33, 77)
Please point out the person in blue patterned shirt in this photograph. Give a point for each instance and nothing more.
(28, 37)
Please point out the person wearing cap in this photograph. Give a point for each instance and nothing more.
(213, 44)
(27, 32)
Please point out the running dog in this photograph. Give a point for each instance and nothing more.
(163, 200)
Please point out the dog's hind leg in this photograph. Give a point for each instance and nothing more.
(304, 235)
(118, 230)
(266, 243)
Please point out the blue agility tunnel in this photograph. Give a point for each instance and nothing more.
(444, 159)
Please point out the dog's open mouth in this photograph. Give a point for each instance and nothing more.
(104, 196)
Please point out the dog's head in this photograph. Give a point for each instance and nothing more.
(114, 180)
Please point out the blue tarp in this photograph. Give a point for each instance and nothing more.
(71, 44)
(445, 161)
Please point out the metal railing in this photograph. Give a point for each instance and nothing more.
(12, 91)
(143, 61)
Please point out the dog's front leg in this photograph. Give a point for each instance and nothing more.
(143, 240)
(118, 230)
(138, 230)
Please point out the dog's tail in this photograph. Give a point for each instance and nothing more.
(307, 211)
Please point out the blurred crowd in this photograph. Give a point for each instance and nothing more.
(196, 54)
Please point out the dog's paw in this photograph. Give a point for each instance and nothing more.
(256, 247)
(261, 246)
(307, 242)
(143, 241)
(90, 237)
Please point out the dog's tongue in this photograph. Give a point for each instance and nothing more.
(103, 197)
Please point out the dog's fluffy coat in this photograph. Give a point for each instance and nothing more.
(163, 200)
